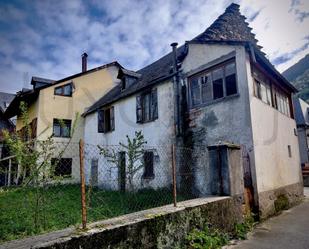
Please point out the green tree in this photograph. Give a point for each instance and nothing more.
(33, 157)
(134, 149)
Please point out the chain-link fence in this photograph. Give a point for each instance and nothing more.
(75, 183)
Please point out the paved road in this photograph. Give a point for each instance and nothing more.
(290, 230)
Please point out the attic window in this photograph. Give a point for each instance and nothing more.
(127, 81)
(123, 83)
(215, 83)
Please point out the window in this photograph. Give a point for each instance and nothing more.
(213, 84)
(282, 102)
(269, 93)
(147, 106)
(289, 151)
(230, 79)
(148, 164)
(262, 88)
(62, 166)
(65, 90)
(62, 128)
(106, 120)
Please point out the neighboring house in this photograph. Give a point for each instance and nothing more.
(53, 106)
(301, 108)
(225, 92)
(5, 124)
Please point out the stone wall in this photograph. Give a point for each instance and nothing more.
(164, 227)
(285, 197)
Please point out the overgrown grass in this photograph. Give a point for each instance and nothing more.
(59, 207)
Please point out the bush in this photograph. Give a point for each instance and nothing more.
(206, 239)
(241, 229)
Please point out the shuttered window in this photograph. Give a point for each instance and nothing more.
(100, 121)
(106, 120)
(33, 128)
(147, 106)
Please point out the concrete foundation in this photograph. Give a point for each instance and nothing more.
(285, 197)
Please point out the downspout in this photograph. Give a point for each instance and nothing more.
(176, 90)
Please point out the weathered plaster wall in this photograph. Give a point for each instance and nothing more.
(158, 134)
(227, 119)
(164, 227)
(272, 133)
(276, 172)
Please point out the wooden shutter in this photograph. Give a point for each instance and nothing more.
(112, 118)
(154, 104)
(139, 111)
(33, 128)
(100, 121)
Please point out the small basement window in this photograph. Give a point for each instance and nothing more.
(62, 166)
(148, 164)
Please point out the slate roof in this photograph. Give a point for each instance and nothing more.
(229, 27)
(299, 114)
(5, 98)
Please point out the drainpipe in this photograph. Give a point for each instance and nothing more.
(176, 89)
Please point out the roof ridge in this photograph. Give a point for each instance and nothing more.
(231, 25)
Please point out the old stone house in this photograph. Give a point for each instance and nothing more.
(215, 93)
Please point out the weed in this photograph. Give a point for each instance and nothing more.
(241, 229)
(206, 239)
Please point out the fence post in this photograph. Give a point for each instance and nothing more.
(174, 175)
(82, 183)
(9, 173)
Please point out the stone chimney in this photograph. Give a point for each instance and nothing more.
(84, 62)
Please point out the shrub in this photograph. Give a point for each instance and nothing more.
(206, 239)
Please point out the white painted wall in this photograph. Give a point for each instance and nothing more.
(272, 133)
(158, 134)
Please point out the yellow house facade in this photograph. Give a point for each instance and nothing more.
(54, 107)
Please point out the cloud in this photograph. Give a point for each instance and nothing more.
(46, 38)
(279, 29)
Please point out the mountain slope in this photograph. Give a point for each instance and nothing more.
(298, 75)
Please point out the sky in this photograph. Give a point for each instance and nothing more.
(46, 38)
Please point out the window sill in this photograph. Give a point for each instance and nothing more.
(145, 122)
(106, 132)
(148, 177)
(60, 137)
(70, 96)
(215, 101)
